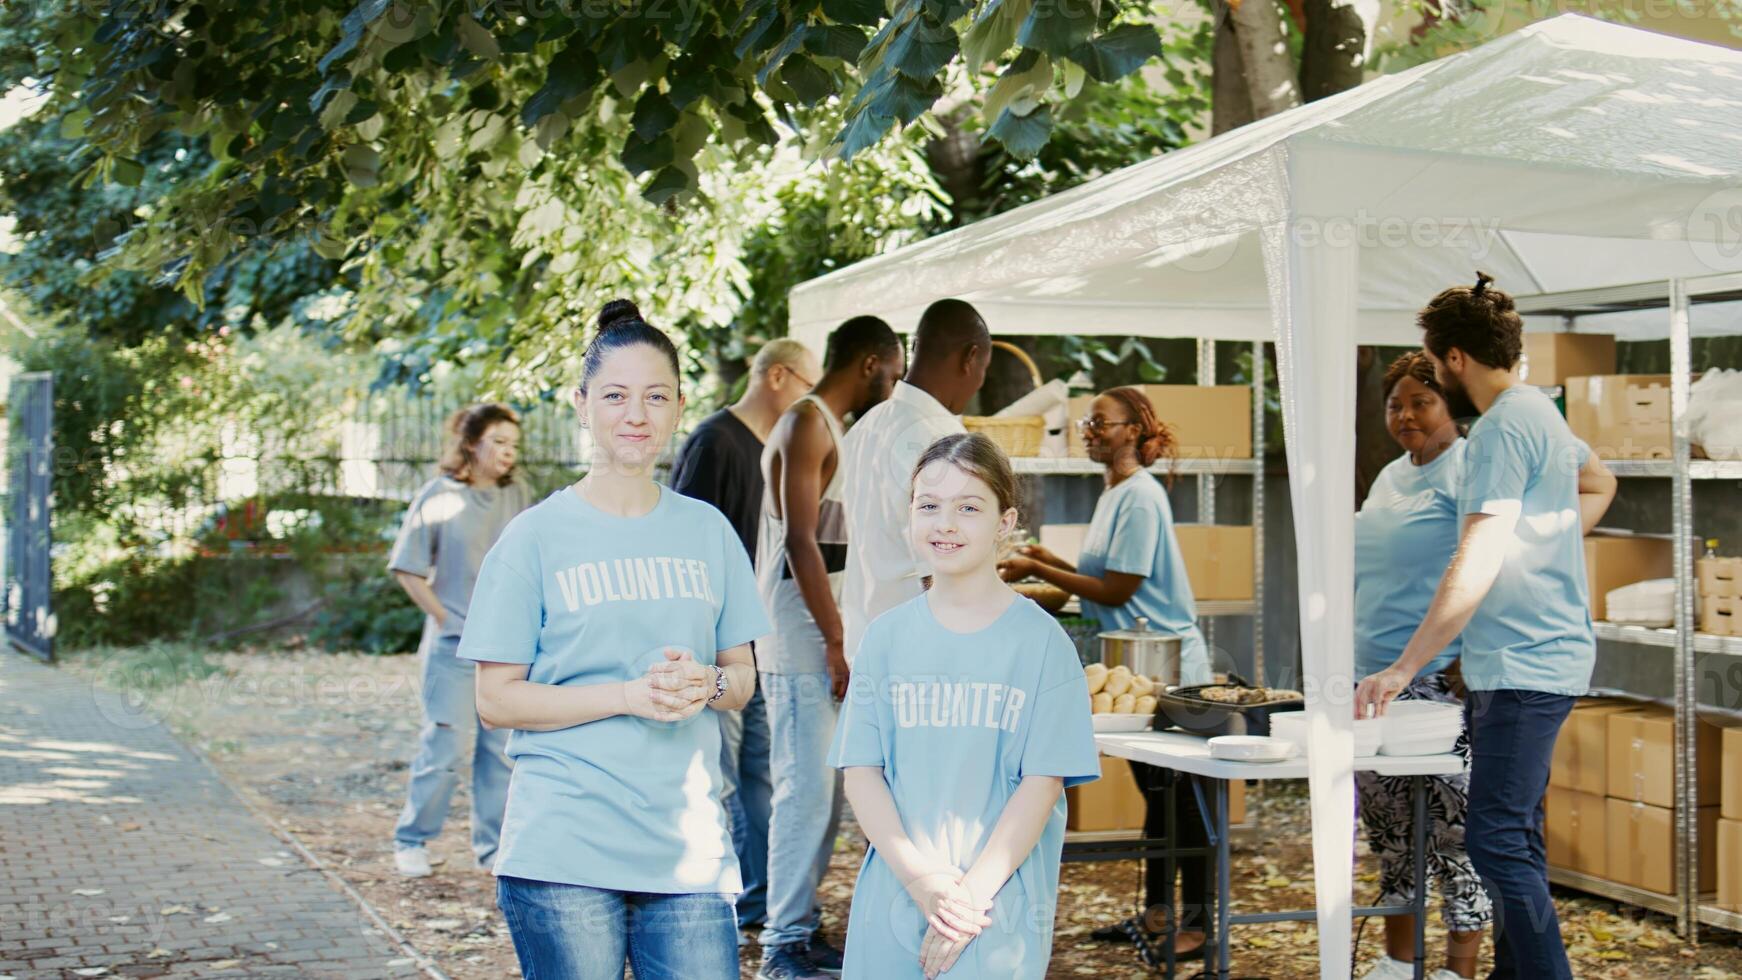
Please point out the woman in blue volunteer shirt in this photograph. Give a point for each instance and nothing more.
(610, 623)
(1405, 536)
(967, 717)
(1131, 567)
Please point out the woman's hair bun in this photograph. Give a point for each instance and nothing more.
(619, 311)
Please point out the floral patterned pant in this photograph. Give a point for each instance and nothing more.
(1387, 811)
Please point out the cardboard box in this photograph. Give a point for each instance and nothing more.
(1236, 802)
(1730, 865)
(1730, 785)
(1621, 416)
(1612, 561)
(1219, 560)
(1552, 358)
(1720, 616)
(1642, 758)
(1581, 752)
(1641, 848)
(1719, 577)
(1112, 802)
(1208, 421)
(1576, 831)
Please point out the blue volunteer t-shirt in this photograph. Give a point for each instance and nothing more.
(956, 720)
(1533, 631)
(1405, 536)
(587, 597)
(1132, 532)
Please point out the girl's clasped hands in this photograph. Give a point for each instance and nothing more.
(954, 917)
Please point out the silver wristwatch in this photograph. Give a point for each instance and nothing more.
(719, 683)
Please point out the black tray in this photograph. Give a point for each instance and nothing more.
(1177, 709)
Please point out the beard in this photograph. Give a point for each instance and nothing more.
(1458, 401)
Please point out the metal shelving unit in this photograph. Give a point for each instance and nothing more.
(1676, 297)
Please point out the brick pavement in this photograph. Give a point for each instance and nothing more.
(122, 854)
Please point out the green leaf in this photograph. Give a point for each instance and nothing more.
(865, 13)
(640, 156)
(1119, 52)
(572, 72)
(993, 32)
(362, 165)
(922, 49)
(478, 39)
(1056, 26)
(654, 114)
(863, 131)
(1023, 136)
(1027, 76)
(338, 81)
(351, 31)
(790, 44)
(835, 41)
(75, 124)
(808, 80)
(905, 99)
(665, 184)
(126, 172)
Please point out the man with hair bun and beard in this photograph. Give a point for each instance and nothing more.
(1517, 593)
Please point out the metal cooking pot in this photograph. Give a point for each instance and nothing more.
(1151, 653)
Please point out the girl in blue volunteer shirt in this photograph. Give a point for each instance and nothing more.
(967, 717)
(1405, 536)
(1131, 568)
(610, 623)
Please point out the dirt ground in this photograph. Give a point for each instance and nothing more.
(321, 742)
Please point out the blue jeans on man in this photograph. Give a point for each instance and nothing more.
(573, 932)
(1512, 736)
(450, 711)
(807, 801)
(747, 797)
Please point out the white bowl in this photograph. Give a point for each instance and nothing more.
(1291, 726)
(1250, 748)
(1123, 722)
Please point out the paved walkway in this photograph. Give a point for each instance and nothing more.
(121, 854)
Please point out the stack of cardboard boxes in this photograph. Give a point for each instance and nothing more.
(1730, 824)
(1720, 584)
(1611, 802)
(1113, 802)
(1207, 421)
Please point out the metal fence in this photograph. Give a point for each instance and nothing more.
(29, 609)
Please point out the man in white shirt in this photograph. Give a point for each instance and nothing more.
(951, 350)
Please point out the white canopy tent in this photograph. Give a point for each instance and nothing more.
(1572, 153)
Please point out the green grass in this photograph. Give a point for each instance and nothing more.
(158, 665)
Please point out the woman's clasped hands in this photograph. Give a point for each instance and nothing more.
(954, 917)
(673, 689)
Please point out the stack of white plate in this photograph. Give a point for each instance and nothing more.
(1291, 725)
(1420, 728)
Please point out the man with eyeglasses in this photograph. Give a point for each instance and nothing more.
(721, 463)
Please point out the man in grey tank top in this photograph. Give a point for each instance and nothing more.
(800, 558)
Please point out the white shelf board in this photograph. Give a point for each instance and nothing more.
(1712, 915)
(1653, 637)
(1698, 469)
(1615, 891)
(1081, 466)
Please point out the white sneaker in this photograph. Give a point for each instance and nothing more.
(412, 862)
(1389, 969)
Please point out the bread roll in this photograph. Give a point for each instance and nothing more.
(1145, 705)
(1142, 684)
(1118, 682)
(1124, 704)
(1096, 675)
(1103, 704)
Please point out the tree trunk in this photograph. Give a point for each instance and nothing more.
(1332, 57)
(1230, 103)
(1269, 70)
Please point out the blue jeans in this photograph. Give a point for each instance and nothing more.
(1512, 736)
(450, 707)
(807, 800)
(573, 932)
(747, 795)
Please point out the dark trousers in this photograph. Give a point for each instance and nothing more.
(1194, 873)
(1512, 736)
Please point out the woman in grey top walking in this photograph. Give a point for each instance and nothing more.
(452, 522)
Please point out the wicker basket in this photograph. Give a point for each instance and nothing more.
(1017, 435)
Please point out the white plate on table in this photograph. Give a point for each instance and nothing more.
(1250, 748)
(1123, 722)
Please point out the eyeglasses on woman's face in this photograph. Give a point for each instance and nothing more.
(1096, 423)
